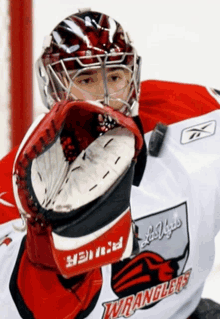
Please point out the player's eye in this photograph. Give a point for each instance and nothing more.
(82, 80)
(86, 81)
(114, 77)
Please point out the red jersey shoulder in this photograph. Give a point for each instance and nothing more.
(8, 208)
(170, 102)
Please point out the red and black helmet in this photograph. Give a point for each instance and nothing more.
(83, 41)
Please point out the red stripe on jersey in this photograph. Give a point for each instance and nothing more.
(170, 102)
(45, 296)
(8, 209)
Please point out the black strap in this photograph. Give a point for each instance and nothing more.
(142, 157)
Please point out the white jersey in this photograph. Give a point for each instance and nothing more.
(176, 208)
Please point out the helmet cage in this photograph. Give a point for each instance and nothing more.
(53, 88)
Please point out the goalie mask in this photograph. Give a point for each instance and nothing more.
(86, 49)
(72, 178)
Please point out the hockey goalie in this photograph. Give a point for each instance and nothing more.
(87, 229)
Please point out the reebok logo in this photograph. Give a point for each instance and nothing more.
(197, 132)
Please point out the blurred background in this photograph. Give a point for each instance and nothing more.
(178, 41)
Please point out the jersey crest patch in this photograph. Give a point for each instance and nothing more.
(198, 132)
(158, 271)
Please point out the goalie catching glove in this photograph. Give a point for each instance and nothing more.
(72, 180)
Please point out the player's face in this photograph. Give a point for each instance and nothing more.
(90, 85)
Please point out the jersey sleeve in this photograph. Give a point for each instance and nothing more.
(8, 208)
(170, 102)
